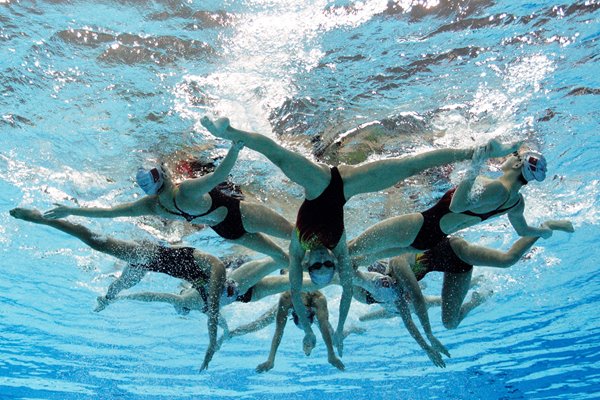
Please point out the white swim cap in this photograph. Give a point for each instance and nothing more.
(150, 180)
(534, 166)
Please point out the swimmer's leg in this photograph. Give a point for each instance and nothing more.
(262, 244)
(259, 218)
(130, 277)
(392, 233)
(454, 290)
(382, 174)
(128, 251)
(313, 177)
(250, 273)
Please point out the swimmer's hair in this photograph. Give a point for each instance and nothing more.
(196, 167)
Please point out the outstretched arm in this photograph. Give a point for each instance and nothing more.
(191, 189)
(280, 322)
(266, 319)
(143, 206)
(375, 315)
(149, 297)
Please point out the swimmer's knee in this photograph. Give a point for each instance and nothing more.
(450, 322)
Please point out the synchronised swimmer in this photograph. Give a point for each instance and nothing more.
(319, 252)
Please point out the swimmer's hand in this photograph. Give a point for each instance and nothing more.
(338, 342)
(210, 352)
(219, 128)
(266, 366)
(309, 342)
(103, 301)
(59, 211)
(495, 148)
(238, 145)
(435, 357)
(559, 225)
(438, 346)
(336, 362)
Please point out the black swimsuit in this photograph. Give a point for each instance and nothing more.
(431, 233)
(440, 258)
(310, 314)
(179, 262)
(321, 221)
(231, 227)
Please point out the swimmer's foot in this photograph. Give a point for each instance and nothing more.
(102, 303)
(476, 281)
(495, 148)
(219, 128)
(480, 297)
(27, 214)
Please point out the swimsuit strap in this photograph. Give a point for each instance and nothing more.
(490, 214)
(185, 215)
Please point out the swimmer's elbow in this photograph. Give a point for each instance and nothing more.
(507, 260)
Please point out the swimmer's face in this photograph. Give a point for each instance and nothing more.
(512, 161)
(321, 266)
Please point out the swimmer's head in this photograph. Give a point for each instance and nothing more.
(181, 310)
(534, 166)
(321, 266)
(151, 180)
(531, 165)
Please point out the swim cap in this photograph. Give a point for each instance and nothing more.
(321, 274)
(384, 289)
(534, 166)
(150, 180)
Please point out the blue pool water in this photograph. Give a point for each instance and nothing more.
(92, 90)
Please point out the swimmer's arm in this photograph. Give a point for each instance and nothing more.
(280, 322)
(191, 189)
(143, 206)
(267, 318)
(216, 282)
(367, 279)
(517, 220)
(375, 315)
(149, 297)
(486, 257)
(493, 191)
